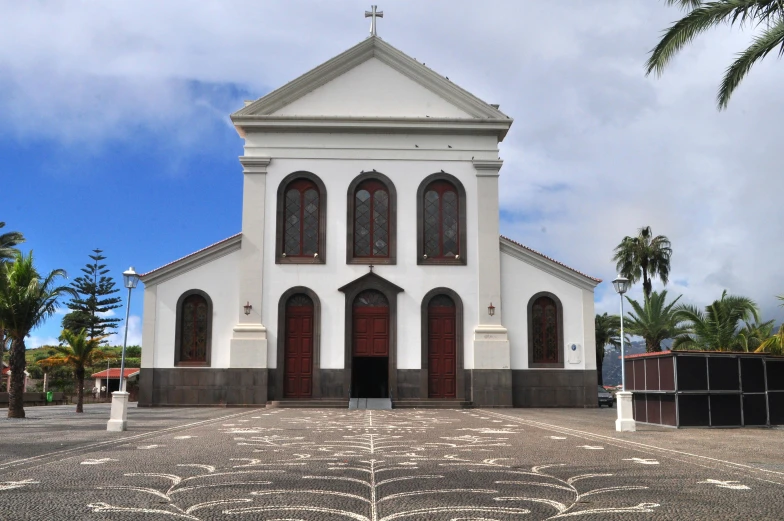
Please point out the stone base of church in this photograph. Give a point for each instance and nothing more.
(490, 387)
(554, 388)
(204, 387)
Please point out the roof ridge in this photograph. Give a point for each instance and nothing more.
(191, 254)
(549, 258)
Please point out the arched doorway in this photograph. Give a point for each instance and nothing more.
(370, 345)
(441, 347)
(298, 348)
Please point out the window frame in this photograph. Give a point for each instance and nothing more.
(462, 255)
(178, 331)
(280, 257)
(559, 327)
(351, 207)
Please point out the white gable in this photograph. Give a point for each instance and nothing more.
(372, 89)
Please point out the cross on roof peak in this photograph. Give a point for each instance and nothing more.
(373, 14)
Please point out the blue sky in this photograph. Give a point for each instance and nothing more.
(140, 198)
(121, 109)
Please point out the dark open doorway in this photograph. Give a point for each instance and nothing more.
(370, 377)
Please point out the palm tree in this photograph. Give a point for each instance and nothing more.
(767, 16)
(608, 332)
(643, 257)
(654, 320)
(716, 328)
(773, 345)
(753, 334)
(26, 300)
(7, 242)
(7, 251)
(79, 352)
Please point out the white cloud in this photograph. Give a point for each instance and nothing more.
(134, 333)
(34, 341)
(597, 149)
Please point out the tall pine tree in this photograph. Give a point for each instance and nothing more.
(94, 300)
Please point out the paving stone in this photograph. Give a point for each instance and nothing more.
(380, 465)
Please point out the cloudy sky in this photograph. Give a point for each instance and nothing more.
(114, 128)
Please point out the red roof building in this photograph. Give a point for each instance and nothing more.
(114, 372)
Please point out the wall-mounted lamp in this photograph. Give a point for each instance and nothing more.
(491, 309)
(247, 307)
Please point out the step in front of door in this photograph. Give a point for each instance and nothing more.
(373, 404)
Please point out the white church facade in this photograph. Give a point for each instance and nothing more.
(369, 263)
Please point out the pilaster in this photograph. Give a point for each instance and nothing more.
(248, 347)
(491, 343)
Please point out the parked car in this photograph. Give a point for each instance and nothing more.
(605, 397)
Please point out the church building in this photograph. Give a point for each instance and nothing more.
(370, 263)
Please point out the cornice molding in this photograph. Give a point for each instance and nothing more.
(364, 125)
(548, 265)
(255, 165)
(488, 167)
(261, 110)
(192, 261)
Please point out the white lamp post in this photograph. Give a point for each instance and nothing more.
(625, 421)
(118, 418)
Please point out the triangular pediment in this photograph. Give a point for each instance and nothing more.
(371, 80)
(371, 281)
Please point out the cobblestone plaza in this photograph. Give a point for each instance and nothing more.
(331, 464)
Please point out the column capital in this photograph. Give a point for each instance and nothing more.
(255, 165)
(487, 167)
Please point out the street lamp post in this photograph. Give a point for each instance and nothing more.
(625, 421)
(118, 418)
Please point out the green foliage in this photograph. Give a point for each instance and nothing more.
(773, 345)
(753, 334)
(608, 332)
(8, 241)
(94, 300)
(766, 16)
(78, 353)
(8, 250)
(26, 300)
(644, 256)
(654, 320)
(715, 329)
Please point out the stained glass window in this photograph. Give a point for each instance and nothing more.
(371, 220)
(193, 329)
(441, 221)
(544, 318)
(301, 219)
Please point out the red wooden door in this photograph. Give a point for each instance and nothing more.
(298, 368)
(442, 351)
(371, 331)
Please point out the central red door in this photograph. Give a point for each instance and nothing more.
(441, 347)
(298, 364)
(371, 331)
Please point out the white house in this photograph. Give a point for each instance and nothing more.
(370, 262)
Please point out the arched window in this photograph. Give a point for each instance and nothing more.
(545, 331)
(371, 220)
(441, 220)
(301, 227)
(193, 336)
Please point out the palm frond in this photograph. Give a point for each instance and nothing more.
(761, 46)
(685, 4)
(698, 20)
